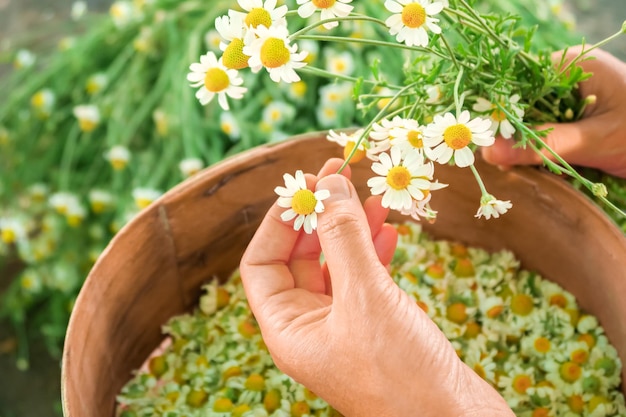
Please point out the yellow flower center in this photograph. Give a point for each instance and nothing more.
(457, 313)
(358, 155)
(415, 138)
(498, 115)
(579, 356)
(223, 405)
(480, 371)
(8, 236)
(323, 4)
(118, 164)
(74, 220)
(255, 382)
(87, 125)
(271, 401)
(247, 329)
(570, 372)
(300, 408)
(472, 330)
(258, 16)
(274, 53)
(541, 412)
(299, 88)
(521, 383)
(398, 178)
(521, 304)
(92, 87)
(436, 271)
(464, 268)
(196, 398)
(38, 100)
(576, 403)
(588, 338)
(240, 410)
(232, 371)
(303, 202)
(158, 366)
(457, 136)
(596, 400)
(142, 203)
(495, 311)
(542, 345)
(413, 15)
(216, 80)
(558, 300)
(233, 56)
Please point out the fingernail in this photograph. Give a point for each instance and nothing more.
(338, 186)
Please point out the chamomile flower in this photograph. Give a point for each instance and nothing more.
(411, 18)
(229, 125)
(213, 39)
(340, 63)
(24, 59)
(161, 121)
(402, 178)
(407, 135)
(234, 33)
(75, 214)
(492, 207)
(499, 121)
(449, 136)
(272, 50)
(190, 166)
(43, 102)
(122, 13)
(62, 201)
(79, 8)
(421, 209)
(348, 142)
(328, 8)
(278, 113)
(118, 156)
(302, 203)
(88, 117)
(11, 230)
(145, 196)
(96, 83)
(381, 133)
(259, 13)
(214, 78)
(100, 200)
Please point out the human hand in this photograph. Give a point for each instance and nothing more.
(598, 140)
(345, 330)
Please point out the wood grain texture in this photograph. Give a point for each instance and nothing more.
(154, 267)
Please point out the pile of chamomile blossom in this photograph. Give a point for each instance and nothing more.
(524, 335)
(466, 77)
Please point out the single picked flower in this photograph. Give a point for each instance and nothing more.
(300, 202)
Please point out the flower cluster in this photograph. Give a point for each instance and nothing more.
(524, 335)
(449, 101)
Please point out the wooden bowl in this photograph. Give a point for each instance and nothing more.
(154, 267)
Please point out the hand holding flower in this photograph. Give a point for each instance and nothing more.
(345, 329)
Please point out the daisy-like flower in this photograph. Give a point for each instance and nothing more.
(190, 166)
(348, 141)
(411, 18)
(145, 196)
(492, 207)
(214, 78)
(272, 50)
(499, 121)
(100, 200)
(122, 13)
(450, 136)
(24, 59)
(88, 117)
(229, 125)
(278, 113)
(11, 230)
(161, 122)
(43, 102)
(118, 156)
(234, 32)
(62, 201)
(340, 63)
(329, 9)
(96, 83)
(79, 8)
(403, 178)
(258, 13)
(302, 203)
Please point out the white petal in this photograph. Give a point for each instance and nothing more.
(300, 180)
(288, 215)
(463, 157)
(299, 222)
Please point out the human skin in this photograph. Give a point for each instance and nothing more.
(598, 140)
(344, 329)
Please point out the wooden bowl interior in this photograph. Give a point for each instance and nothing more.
(154, 267)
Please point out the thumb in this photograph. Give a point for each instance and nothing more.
(345, 238)
(566, 139)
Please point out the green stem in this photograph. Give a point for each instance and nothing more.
(68, 157)
(479, 180)
(458, 102)
(327, 74)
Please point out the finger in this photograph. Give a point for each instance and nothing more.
(569, 140)
(345, 237)
(264, 265)
(305, 258)
(384, 235)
